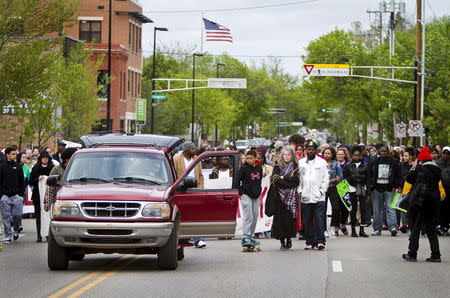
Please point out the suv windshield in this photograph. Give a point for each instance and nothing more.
(128, 167)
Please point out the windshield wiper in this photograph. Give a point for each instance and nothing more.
(87, 179)
(135, 179)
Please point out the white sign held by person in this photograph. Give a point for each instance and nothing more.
(45, 216)
(264, 222)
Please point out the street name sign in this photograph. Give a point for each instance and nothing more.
(227, 83)
(400, 130)
(326, 70)
(141, 111)
(415, 128)
(159, 97)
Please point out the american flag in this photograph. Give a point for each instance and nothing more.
(216, 32)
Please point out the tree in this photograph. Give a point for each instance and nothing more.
(24, 71)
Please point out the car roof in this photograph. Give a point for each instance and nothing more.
(119, 149)
(130, 140)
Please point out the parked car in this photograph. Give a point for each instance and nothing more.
(121, 194)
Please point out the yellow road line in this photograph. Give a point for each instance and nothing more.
(101, 279)
(85, 278)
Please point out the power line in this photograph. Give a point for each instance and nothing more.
(232, 9)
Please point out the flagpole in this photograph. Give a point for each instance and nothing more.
(201, 37)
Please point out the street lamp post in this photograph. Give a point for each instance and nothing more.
(215, 128)
(152, 108)
(193, 96)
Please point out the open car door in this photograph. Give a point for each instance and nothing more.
(209, 209)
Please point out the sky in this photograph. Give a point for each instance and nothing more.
(282, 31)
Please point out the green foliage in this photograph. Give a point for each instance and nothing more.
(364, 101)
(232, 109)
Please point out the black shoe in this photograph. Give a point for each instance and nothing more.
(344, 230)
(354, 234)
(434, 260)
(404, 229)
(408, 258)
(283, 244)
(39, 239)
(362, 233)
(20, 229)
(288, 243)
(301, 236)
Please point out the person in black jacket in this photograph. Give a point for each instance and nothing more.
(12, 188)
(424, 204)
(250, 176)
(356, 173)
(444, 165)
(57, 155)
(283, 191)
(384, 179)
(405, 167)
(42, 168)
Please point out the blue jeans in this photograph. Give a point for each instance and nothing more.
(12, 210)
(314, 218)
(380, 199)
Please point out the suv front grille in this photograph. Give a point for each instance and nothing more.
(110, 209)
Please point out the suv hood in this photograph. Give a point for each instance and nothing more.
(112, 192)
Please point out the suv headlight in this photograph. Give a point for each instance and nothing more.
(65, 209)
(156, 210)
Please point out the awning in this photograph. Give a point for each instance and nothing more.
(137, 15)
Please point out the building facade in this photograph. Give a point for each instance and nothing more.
(92, 26)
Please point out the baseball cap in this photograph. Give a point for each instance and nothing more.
(311, 143)
(446, 148)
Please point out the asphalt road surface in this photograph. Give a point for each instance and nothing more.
(350, 267)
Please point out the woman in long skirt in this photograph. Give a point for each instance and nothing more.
(283, 192)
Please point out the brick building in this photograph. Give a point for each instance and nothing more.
(127, 59)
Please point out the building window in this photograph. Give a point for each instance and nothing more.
(129, 81)
(91, 31)
(102, 83)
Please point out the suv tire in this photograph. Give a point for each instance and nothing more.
(57, 256)
(167, 254)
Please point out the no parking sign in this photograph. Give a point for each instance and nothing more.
(400, 130)
(415, 128)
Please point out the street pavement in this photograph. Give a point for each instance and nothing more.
(350, 267)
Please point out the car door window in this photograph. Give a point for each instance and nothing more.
(217, 172)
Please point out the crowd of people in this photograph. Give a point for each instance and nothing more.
(305, 179)
(19, 169)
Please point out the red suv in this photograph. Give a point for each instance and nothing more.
(120, 194)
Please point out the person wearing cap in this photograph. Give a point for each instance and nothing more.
(181, 162)
(444, 164)
(314, 180)
(424, 204)
(57, 155)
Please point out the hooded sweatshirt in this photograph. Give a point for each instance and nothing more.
(250, 180)
(11, 179)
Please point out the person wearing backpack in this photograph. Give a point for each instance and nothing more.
(424, 205)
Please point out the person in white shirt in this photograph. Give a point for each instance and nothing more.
(314, 179)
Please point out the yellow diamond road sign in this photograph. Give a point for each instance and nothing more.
(325, 70)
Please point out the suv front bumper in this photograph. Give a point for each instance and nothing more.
(110, 235)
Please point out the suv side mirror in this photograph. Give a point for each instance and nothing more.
(186, 183)
(54, 180)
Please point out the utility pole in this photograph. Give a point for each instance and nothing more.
(420, 62)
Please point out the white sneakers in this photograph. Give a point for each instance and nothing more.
(200, 244)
